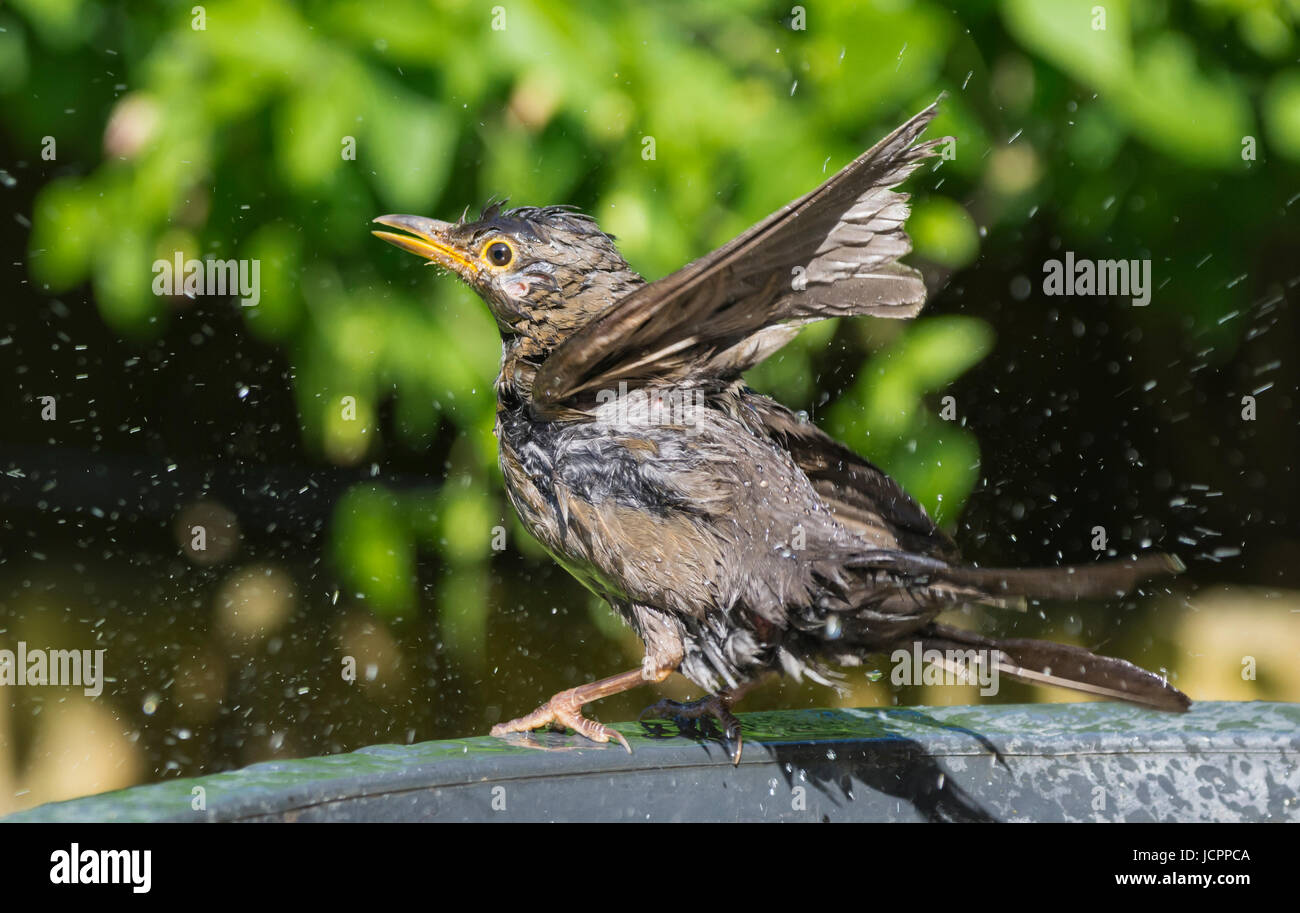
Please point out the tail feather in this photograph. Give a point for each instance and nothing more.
(1065, 666)
(1037, 661)
(1082, 581)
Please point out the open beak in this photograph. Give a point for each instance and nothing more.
(427, 238)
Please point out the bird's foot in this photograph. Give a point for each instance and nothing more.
(710, 708)
(563, 710)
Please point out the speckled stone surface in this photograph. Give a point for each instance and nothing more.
(1039, 762)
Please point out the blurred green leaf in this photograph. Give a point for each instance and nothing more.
(944, 232)
(124, 279)
(1066, 33)
(467, 521)
(279, 310)
(311, 130)
(13, 55)
(409, 143)
(463, 613)
(1282, 113)
(64, 235)
(882, 415)
(374, 550)
(934, 352)
(62, 23)
(1198, 118)
(1189, 113)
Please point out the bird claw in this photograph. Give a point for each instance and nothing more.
(711, 707)
(561, 712)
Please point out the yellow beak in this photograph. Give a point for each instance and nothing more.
(427, 238)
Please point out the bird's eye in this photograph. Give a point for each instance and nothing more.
(499, 253)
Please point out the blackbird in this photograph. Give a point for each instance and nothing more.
(735, 536)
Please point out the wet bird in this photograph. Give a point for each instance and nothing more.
(734, 536)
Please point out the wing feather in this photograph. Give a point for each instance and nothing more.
(830, 253)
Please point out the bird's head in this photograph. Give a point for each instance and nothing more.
(543, 271)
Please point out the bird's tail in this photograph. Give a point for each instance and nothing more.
(1037, 661)
(1081, 581)
(999, 585)
(1044, 662)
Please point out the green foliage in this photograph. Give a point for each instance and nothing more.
(883, 417)
(1148, 73)
(231, 140)
(944, 232)
(1282, 113)
(373, 545)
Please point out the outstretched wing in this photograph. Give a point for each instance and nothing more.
(830, 253)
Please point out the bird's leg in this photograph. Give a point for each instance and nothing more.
(711, 706)
(565, 708)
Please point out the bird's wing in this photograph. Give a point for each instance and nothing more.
(868, 502)
(830, 253)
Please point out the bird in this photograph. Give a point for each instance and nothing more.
(737, 539)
